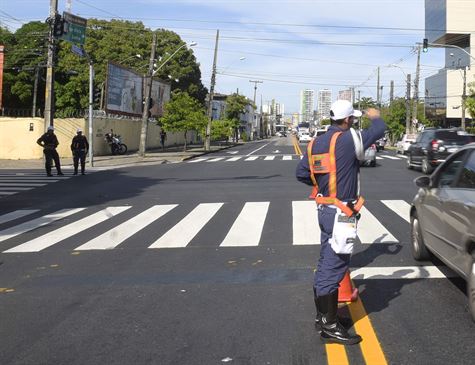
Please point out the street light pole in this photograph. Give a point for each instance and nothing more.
(211, 95)
(49, 89)
(464, 97)
(254, 100)
(91, 101)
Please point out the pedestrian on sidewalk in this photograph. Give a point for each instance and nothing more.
(49, 142)
(331, 164)
(163, 138)
(79, 148)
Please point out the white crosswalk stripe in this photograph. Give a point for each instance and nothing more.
(119, 234)
(215, 159)
(390, 157)
(252, 158)
(269, 158)
(13, 183)
(183, 232)
(69, 230)
(233, 159)
(287, 158)
(245, 229)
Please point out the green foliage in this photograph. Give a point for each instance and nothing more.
(470, 101)
(235, 106)
(221, 130)
(325, 122)
(244, 136)
(114, 40)
(182, 114)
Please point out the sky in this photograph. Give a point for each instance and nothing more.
(288, 45)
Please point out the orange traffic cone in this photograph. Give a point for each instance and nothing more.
(346, 292)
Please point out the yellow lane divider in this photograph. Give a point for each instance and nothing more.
(295, 142)
(336, 354)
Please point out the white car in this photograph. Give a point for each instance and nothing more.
(403, 145)
(305, 137)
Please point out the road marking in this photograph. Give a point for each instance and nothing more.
(402, 272)
(370, 346)
(371, 231)
(336, 354)
(287, 158)
(216, 159)
(233, 159)
(260, 148)
(9, 188)
(60, 234)
(400, 207)
(252, 158)
(36, 223)
(247, 228)
(390, 157)
(198, 160)
(269, 158)
(306, 230)
(183, 232)
(120, 233)
(21, 184)
(232, 152)
(379, 158)
(403, 156)
(8, 192)
(16, 214)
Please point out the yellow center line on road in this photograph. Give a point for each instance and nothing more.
(336, 354)
(370, 347)
(295, 142)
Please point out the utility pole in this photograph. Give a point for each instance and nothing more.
(211, 95)
(254, 106)
(391, 92)
(91, 101)
(49, 89)
(148, 91)
(35, 90)
(408, 105)
(378, 101)
(359, 108)
(416, 87)
(464, 97)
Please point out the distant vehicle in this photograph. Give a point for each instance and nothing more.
(403, 145)
(281, 134)
(433, 146)
(380, 144)
(370, 156)
(443, 215)
(305, 137)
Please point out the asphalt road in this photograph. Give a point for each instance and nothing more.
(207, 262)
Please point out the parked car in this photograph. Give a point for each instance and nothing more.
(443, 215)
(403, 145)
(304, 137)
(380, 144)
(433, 146)
(370, 156)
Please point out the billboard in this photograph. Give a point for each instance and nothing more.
(123, 91)
(160, 95)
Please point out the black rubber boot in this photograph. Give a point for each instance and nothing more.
(346, 322)
(332, 331)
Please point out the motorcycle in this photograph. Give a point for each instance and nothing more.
(115, 142)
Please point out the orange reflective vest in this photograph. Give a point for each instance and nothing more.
(325, 163)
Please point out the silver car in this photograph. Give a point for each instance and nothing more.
(443, 217)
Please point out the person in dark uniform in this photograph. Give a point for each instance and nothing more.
(49, 142)
(79, 147)
(163, 138)
(332, 266)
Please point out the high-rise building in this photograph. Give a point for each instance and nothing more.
(307, 99)
(346, 95)
(324, 103)
(447, 23)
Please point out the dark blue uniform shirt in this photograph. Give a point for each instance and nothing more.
(347, 164)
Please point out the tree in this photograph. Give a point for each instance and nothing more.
(235, 106)
(470, 104)
(221, 129)
(182, 114)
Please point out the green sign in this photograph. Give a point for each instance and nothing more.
(74, 28)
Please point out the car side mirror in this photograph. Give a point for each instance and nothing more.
(423, 182)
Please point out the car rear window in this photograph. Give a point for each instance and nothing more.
(453, 137)
(467, 177)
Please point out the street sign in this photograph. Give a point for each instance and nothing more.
(78, 50)
(74, 28)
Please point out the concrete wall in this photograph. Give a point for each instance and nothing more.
(18, 136)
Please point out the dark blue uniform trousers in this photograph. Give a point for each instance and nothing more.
(331, 267)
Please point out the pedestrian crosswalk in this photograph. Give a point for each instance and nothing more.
(13, 183)
(29, 230)
(270, 158)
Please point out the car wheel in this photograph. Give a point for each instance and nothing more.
(409, 163)
(418, 248)
(426, 167)
(471, 289)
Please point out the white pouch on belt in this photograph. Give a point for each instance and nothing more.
(344, 233)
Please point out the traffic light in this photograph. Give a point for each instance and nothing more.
(97, 95)
(58, 26)
(425, 45)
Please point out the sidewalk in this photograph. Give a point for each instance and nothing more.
(152, 157)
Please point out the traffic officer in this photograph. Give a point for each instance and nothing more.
(79, 147)
(49, 142)
(331, 165)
